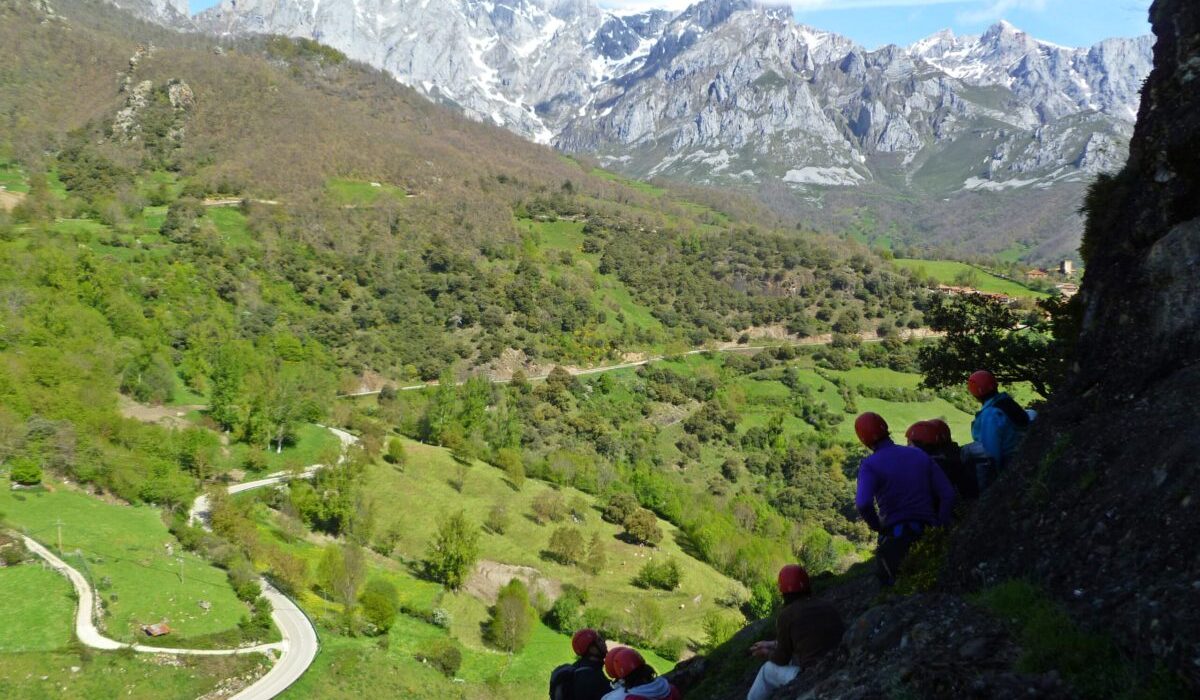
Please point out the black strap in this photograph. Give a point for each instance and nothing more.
(1013, 411)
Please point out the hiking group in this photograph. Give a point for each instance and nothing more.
(903, 492)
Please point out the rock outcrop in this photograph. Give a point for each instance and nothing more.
(1103, 505)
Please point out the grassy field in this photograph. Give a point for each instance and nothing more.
(38, 609)
(87, 676)
(426, 479)
(414, 498)
(124, 553)
(12, 178)
(348, 192)
(635, 184)
(946, 272)
(314, 445)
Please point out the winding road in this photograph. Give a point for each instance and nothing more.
(298, 645)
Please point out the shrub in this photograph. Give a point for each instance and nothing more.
(443, 655)
(566, 546)
(549, 506)
(497, 519)
(672, 648)
(597, 556)
(565, 615)
(395, 452)
(718, 628)
(25, 471)
(642, 526)
(380, 603)
(663, 575)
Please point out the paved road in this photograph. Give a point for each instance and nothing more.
(299, 642)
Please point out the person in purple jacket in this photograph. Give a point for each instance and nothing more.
(908, 488)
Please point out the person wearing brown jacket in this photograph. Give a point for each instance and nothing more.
(806, 629)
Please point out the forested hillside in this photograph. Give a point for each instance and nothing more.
(203, 243)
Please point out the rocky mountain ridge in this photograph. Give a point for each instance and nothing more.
(728, 90)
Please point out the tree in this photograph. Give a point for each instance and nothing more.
(619, 507)
(453, 551)
(642, 526)
(718, 628)
(341, 573)
(25, 471)
(380, 603)
(986, 333)
(549, 506)
(512, 618)
(566, 545)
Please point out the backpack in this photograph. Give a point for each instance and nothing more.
(561, 682)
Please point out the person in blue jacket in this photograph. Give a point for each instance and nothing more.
(997, 430)
(901, 493)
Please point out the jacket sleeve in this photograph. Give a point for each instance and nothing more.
(864, 499)
(945, 492)
(993, 425)
(785, 649)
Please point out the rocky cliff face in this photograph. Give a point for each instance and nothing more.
(1103, 506)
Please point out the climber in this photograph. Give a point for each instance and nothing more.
(584, 679)
(996, 431)
(910, 489)
(637, 679)
(934, 439)
(805, 630)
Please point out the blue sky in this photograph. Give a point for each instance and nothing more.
(874, 23)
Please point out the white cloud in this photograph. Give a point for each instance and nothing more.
(998, 9)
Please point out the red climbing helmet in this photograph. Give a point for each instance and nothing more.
(943, 431)
(793, 579)
(923, 433)
(870, 428)
(583, 640)
(625, 662)
(982, 384)
(609, 658)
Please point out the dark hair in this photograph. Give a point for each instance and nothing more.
(640, 676)
(789, 598)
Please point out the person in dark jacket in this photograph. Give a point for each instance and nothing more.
(934, 439)
(901, 493)
(805, 630)
(997, 429)
(584, 679)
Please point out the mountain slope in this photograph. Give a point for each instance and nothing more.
(731, 93)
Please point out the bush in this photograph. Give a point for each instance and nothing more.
(442, 655)
(497, 519)
(672, 648)
(565, 614)
(395, 452)
(718, 628)
(663, 575)
(549, 506)
(642, 526)
(566, 546)
(25, 471)
(380, 603)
